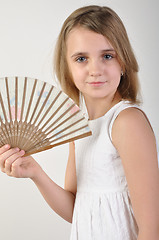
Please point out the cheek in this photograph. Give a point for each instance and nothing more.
(77, 77)
(78, 84)
(116, 74)
(72, 74)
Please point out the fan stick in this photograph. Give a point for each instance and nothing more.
(25, 126)
(38, 148)
(62, 117)
(66, 128)
(44, 103)
(58, 133)
(7, 125)
(51, 105)
(15, 127)
(21, 114)
(35, 124)
(38, 135)
(10, 124)
(4, 138)
(54, 113)
(37, 103)
(76, 130)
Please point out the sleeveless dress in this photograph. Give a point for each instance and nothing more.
(103, 209)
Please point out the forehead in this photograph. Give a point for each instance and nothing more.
(84, 39)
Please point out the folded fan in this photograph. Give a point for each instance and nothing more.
(35, 115)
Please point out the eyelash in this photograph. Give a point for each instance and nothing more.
(83, 59)
(108, 56)
(79, 59)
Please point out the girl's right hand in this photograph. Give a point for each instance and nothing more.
(15, 164)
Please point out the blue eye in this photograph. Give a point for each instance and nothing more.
(108, 56)
(81, 59)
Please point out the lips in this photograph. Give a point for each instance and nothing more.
(97, 83)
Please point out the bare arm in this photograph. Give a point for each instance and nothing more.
(135, 142)
(61, 200)
(14, 164)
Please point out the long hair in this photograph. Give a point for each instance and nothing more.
(105, 21)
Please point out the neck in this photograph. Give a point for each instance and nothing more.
(98, 107)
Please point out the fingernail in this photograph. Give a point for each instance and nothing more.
(17, 149)
(6, 146)
(22, 151)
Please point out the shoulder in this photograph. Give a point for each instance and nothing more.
(131, 117)
(131, 123)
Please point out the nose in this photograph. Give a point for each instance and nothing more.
(95, 68)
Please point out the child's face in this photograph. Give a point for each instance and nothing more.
(93, 63)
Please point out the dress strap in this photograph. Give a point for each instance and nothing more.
(123, 106)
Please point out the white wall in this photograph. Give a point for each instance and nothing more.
(28, 31)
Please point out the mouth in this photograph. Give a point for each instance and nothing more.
(97, 84)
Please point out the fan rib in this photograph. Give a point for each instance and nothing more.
(8, 98)
(55, 112)
(23, 99)
(3, 108)
(62, 121)
(25, 126)
(15, 126)
(31, 100)
(64, 129)
(5, 131)
(36, 116)
(11, 126)
(4, 138)
(51, 105)
(44, 103)
(37, 103)
(38, 136)
(16, 98)
(37, 149)
(76, 130)
(34, 134)
(86, 134)
(8, 128)
(21, 125)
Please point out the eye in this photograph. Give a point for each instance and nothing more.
(108, 56)
(81, 59)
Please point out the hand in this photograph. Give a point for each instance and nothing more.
(14, 164)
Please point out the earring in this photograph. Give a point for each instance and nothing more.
(122, 73)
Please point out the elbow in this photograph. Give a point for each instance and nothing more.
(70, 220)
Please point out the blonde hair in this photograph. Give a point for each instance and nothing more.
(105, 21)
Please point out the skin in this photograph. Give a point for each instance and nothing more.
(96, 73)
(95, 69)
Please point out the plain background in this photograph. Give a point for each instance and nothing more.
(28, 32)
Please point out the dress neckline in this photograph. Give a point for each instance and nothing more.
(99, 118)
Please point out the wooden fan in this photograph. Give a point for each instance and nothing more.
(35, 115)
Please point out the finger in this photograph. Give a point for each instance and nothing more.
(15, 171)
(10, 161)
(5, 155)
(4, 148)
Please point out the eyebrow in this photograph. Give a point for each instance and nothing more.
(85, 53)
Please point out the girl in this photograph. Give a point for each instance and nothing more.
(112, 182)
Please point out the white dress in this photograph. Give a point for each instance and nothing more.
(103, 209)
